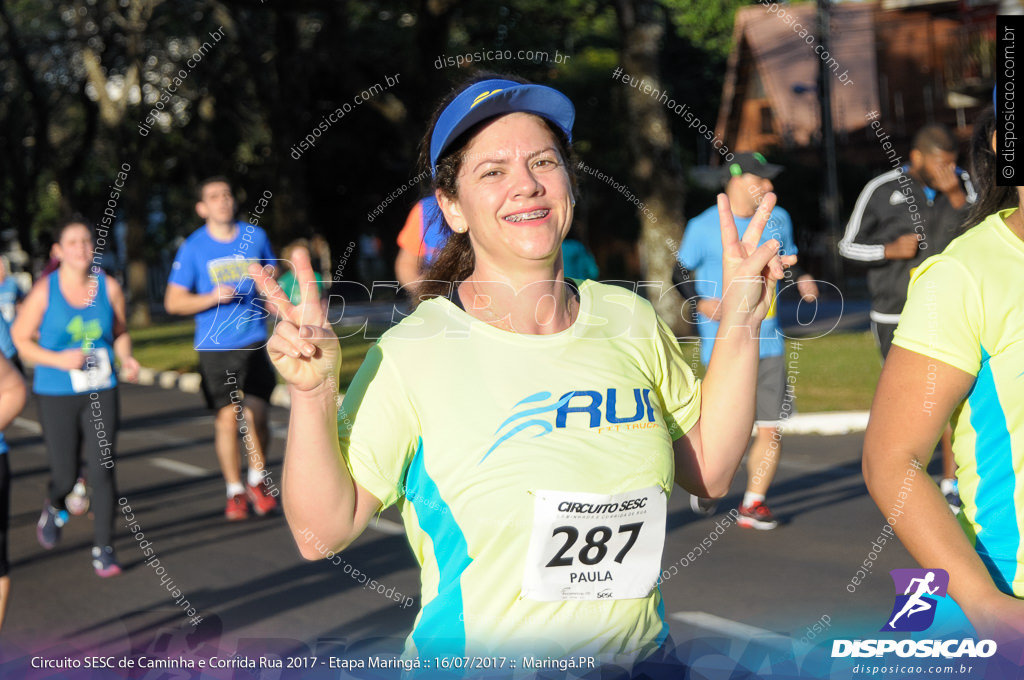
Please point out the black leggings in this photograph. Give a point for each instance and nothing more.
(86, 421)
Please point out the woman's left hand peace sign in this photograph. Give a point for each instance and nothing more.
(749, 272)
(303, 348)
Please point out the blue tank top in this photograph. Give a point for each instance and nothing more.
(90, 328)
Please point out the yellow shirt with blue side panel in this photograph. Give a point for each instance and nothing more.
(465, 426)
(966, 309)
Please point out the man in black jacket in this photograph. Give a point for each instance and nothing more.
(902, 217)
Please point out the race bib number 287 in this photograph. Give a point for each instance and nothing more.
(588, 546)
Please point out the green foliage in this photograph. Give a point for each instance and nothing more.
(705, 24)
(170, 347)
(836, 372)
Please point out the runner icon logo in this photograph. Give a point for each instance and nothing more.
(917, 591)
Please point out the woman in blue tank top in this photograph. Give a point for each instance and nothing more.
(71, 326)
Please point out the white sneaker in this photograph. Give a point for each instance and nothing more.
(77, 502)
(703, 506)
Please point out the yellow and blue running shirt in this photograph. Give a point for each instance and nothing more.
(966, 309)
(481, 436)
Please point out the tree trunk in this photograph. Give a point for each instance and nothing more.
(655, 171)
(136, 271)
(133, 207)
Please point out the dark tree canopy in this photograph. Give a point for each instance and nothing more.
(178, 91)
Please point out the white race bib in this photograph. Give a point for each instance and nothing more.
(587, 546)
(98, 374)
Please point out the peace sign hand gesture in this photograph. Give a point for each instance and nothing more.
(303, 348)
(749, 272)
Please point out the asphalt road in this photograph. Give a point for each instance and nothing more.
(259, 598)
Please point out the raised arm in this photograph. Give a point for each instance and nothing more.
(179, 300)
(860, 243)
(708, 455)
(319, 495)
(25, 331)
(13, 393)
(122, 341)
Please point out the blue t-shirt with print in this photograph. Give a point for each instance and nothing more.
(202, 263)
(7, 347)
(10, 295)
(701, 253)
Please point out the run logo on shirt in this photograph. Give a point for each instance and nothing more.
(234, 272)
(84, 332)
(230, 271)
(600, 409)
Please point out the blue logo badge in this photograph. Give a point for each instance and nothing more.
(914, 610)
(545, 426)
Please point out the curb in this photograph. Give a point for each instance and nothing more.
(192, 383)
(826, 423)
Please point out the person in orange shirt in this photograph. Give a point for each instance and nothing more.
(419, 241)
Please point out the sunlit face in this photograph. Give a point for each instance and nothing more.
(747, 192)
(74, 250)
(217, 204)
(514, 194)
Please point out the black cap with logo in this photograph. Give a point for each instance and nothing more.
(754, 163)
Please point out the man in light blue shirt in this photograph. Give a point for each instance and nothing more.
(747, 179)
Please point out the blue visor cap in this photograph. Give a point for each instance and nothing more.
(495, 97)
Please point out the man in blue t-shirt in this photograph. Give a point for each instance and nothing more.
(747, 179)
(209, 280)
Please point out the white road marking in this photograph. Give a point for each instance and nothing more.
(30, 425)
(184, 468)
(386, 526)
(726, 626)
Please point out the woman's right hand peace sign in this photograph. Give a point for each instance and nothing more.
(303, 348)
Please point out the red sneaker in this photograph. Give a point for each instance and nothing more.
(236, 509)
(757, 516)
(262, 502)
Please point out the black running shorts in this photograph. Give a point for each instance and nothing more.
(248, 369)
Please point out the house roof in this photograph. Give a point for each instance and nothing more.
(782, 45)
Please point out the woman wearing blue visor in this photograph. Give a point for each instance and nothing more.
(530, 428)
